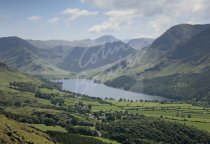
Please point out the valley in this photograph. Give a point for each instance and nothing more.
(41, 105)
(104, 72)
(176, 62)
(107, 91)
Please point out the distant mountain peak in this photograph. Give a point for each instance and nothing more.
(14, 41)
(11, 39)
(106, 39)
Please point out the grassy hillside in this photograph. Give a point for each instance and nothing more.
(42, 108)
(53, 110)
(9, 74)
(12, 132)
(175, 66)
(23, 56)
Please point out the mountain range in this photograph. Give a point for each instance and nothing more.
(166, 66)
(175, 65)
(81, 58)
(76, 43)
(63, 57)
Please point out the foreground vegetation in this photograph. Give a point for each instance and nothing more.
(144, 130)
(13, 132)
(179, 112)
(49, 114)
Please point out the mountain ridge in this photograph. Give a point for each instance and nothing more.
(20, 54)
(74, 43)
(96, 56)
(182, 51)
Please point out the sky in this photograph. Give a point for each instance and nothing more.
(89, 19)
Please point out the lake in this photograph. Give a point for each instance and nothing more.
(90, 88)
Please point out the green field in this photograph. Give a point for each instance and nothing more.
(195, 116)
(45, 128)
(56, 110)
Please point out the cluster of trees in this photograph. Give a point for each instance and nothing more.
(122, 82)
(183, 115)
(40, 118)
(98, 99)
(15, 103)
(77, 122)
(69, 138)
(110, 116)
(51, 97)
(150, 130)
(57, 101)
(82, 131)
(21, 118)
(49, 119)
(23, 86)
(189, 86)
(51, 85)
(80, 108)
(128, 100)
(47, 96)
(29, 87)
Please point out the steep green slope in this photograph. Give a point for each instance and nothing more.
(10, 96)
(191, 86)
(17, 53)
(21, 55)
(12, 132)
(194, 50)
(182, 52)
(9, 74)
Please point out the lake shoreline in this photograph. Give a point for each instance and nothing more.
(95, 89)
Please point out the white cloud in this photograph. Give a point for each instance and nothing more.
(159, 23)
(122, 15)
(157, 7)
(158, 15)
(105, 26)
(35, 18)
(77, 13)
(146, 7)
(100, 3)
(116, 20)
(54, 20)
